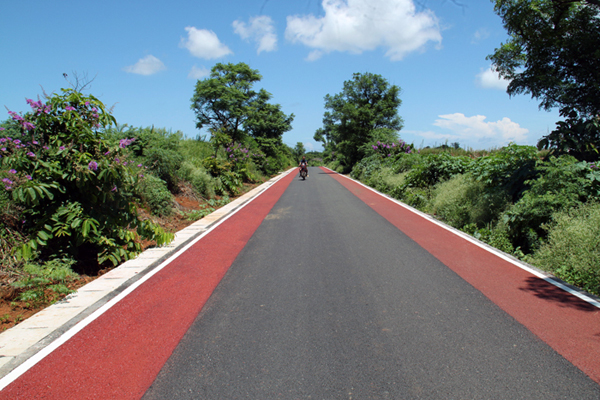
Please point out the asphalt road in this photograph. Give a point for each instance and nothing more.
(329, 300)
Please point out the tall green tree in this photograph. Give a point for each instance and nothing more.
(222, 102)
(299, 151)
(553, 54)
(228, 105)
(266, 120)
(365, 110)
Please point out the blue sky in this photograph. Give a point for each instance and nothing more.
(147, 56)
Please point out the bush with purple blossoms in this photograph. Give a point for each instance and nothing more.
(74, 188)
(391, 149)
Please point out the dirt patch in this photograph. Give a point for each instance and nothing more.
(13, 312)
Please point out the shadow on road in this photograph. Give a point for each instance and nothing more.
(544, 290)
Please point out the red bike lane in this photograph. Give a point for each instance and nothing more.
(568, 324)
(119, 354)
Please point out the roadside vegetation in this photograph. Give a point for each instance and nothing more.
(81, 194)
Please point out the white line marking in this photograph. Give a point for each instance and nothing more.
(486, 247)
(33, 360)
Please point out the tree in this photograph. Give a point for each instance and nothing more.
(223, 101)
(265, 120)
(365, 110)
(226, 104)
(553, 53)
(299, 151)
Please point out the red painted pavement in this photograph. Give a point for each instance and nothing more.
(119, 355)
(568, 324)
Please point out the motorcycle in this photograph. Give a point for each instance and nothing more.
(303, 172)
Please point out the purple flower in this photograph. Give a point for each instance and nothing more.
(45, 147)
(125, 142)
(3, 149)
(93, 165)
(107, 153)
(15, 116)
(28, 125)
(374, 147)
(31, 154)
(7, 181)
(87, 103)
(17, 141)
(69, 108)
(1, 128)
(140, 165)
(114, 189)
(35, 142)
(28, 177)
(13, 171)
(61, 148)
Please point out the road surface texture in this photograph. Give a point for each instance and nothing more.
(326, 290)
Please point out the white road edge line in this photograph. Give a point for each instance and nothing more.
(488, 248)
(29, 363)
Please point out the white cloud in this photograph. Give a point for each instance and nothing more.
(261, 30)
(146, 66)
(489, 79)
(480, 34)
(355, 26)
(203, 43)
(476, 129)
(198, 72)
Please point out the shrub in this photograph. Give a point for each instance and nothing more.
(201, 181)
(436, 168)
(271, 166)
(145, 138)
(572, 251)
(496, 235)
(164, 163)
(462, 200)
(507, 170)
(562, 183)
(46, 282)
(363, 169)
(154, 192)
(75, 189)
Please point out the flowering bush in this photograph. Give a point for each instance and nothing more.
(74, 187)
(392, 149)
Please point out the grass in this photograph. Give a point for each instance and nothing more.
(572, 250)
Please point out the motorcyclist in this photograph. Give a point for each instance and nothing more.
(303, 164)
